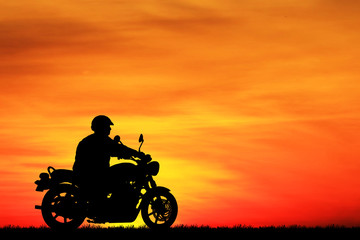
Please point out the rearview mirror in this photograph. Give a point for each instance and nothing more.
(141, 138)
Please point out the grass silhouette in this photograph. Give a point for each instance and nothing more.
(193, 230)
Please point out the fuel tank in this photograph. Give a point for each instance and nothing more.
(123, 172)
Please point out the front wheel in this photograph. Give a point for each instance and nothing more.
(159, 209)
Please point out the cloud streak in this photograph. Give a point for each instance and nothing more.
(252, 104)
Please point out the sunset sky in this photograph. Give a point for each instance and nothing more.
(251, 107)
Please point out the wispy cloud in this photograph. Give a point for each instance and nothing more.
(251, 103)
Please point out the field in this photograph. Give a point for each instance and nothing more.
(178, 230)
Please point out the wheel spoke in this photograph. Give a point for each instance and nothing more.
(160, 211)
(60, 208)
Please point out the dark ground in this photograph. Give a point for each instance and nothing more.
(194, 231)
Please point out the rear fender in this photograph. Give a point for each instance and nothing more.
(61, 176)
(64, 187)
(54, 178)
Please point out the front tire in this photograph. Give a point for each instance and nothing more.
(159, 209)
(61, 208)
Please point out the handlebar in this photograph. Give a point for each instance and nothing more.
(144, 159)
(147, 158)
(140, 156)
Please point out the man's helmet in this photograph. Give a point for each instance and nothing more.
(100, 122)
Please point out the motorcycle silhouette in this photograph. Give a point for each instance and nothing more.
(131, 189)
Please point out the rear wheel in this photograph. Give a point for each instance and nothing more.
(61, 208)
(159, 210)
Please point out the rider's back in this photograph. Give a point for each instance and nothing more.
(93, 155)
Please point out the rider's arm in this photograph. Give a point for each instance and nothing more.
(126, 152)
(122, 151)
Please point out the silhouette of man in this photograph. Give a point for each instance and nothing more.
(92, 159)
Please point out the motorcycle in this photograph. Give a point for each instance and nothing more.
(132, 189)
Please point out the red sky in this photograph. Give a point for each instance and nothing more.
(251, 107)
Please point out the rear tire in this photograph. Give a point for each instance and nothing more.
(61, 208)
(159, 209)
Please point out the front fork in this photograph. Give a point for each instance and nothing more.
(158, 204)
(152, 182)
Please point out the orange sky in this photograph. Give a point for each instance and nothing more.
(251, 107)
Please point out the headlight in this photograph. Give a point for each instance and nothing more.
(153, 168)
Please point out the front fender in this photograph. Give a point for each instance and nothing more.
(153, 192)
